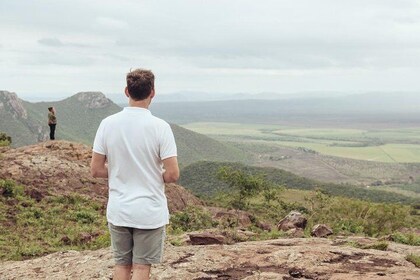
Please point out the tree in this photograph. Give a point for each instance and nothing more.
(244, 184)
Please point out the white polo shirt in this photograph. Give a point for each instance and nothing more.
(135, 142)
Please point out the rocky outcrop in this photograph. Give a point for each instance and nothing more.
(93, 100)
(53, 168)
(179, 198)
(302, 258)
(321, 230)
(62, 167)
(294, 220)
(206, 238)
(9, 101)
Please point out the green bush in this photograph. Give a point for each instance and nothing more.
(192, 218)
(383, 246)
(10, 189)
(406, 238)
(84, 217)
(357, 216)
(5, 140)
(415, 259)
(69, 199)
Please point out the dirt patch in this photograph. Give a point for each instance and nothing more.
(249, 269)
(356, 262)
(182, 259)
(345, 258)
(383, 262)
(242, 271)
(281, 244)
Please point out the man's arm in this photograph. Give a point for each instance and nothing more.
(98, 166)
(171, 174)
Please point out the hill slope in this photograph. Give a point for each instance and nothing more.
(201, 178)
(50, 202)
(16, 121)
(195, 147)
(79, 117)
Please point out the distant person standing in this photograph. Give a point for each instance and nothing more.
(52, 122)
(136, 151)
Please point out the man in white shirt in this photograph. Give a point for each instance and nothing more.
(136, 151)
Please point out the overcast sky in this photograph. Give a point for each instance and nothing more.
(63, 47)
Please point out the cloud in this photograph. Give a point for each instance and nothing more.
(57, 43)
(50, 42)
(225, 41)
(109, 23)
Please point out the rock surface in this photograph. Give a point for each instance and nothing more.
(206, 238)
(10, 101)
(303, 258)
(93, 99)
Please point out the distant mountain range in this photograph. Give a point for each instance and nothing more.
(79, 117)
(198, 96)
(374, 108)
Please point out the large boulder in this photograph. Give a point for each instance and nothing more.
(293, 220)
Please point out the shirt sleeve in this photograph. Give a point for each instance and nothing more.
(99, 142)
(167, 143)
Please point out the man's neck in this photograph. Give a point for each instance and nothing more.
(139, 103)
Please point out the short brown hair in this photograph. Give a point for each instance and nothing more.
(140, 83)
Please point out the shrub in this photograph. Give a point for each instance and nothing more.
(10, 189)
(69, 199)
(383, 246)
(244, 186)
(415, 259)
(84, 217)
(5, 140)
(192, 218)
(406, 238)
(357, 216)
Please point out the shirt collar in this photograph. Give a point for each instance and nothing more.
(137, 109)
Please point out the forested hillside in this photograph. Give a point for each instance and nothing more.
(201, 178)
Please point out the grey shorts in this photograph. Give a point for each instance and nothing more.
(137, 246)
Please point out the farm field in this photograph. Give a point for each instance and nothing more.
(379, 145)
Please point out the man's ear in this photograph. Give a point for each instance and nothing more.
(126, 92)
(152, 94)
